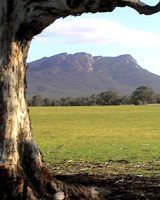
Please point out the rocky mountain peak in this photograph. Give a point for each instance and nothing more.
(81, 74)
(79, 62)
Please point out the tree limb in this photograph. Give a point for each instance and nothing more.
(141, 7)
(39, 14)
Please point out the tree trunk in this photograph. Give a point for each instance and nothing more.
(20, 160)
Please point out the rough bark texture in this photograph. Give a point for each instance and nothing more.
(20, 158)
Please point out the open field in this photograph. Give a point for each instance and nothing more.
(111, 139)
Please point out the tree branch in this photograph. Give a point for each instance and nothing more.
(39, 14)
(141, 7)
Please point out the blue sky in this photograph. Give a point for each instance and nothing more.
(123, 31)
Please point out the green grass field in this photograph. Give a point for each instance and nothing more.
(121, 135)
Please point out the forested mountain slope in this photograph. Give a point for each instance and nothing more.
(81, 74)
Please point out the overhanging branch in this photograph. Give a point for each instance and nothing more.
(39, 14)
(141, 7)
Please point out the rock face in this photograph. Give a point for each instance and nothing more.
(81, 74)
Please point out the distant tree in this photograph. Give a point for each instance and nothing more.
(53, 102)
(66, 101)
(71, 101)
(56, 103)
(143, 95)
(37, 100)
(47, 102)
(126, 100)
(157, 98)
(92, 100)
(108, 98)
(79, 102)
(62, 101)
(84, 101)
(29, 102)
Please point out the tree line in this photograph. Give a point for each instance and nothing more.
(141, 96)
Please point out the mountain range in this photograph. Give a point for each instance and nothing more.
(81, 75)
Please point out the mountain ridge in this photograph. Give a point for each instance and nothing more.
(82, 74)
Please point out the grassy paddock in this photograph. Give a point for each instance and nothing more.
(127, 135)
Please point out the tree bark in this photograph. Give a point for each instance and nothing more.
(20, 159)
(19, 156)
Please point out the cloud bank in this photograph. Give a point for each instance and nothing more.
(99, 31)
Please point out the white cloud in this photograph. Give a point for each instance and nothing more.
(42, 39)
(100, 31)
(153, 65)
(153, 62)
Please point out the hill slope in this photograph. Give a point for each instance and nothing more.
(81, 74)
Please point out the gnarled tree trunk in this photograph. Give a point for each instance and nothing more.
(20, 158)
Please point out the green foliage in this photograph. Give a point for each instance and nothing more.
(98, 134)
(105, 98)
(143, 95)
(126, 100)
(47, 102)
(108, 98)
(37, 100)
(158, 98)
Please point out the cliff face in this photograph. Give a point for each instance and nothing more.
(81, 74)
